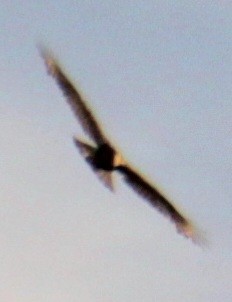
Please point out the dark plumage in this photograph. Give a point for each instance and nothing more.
(104, 159)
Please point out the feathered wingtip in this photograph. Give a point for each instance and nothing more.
(49, 59)
(190, 231)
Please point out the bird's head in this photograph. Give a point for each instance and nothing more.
(118, 160)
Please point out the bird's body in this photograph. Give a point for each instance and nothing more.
(104, 159)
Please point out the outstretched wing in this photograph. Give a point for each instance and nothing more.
(144, 189)
(74, 98)
(88, 151)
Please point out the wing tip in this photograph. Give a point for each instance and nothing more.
(190, 231)
(48, 58)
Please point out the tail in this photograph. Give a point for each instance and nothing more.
(88, 151)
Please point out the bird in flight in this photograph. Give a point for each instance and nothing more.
(104, 158)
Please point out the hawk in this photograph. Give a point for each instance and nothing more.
(104, 158)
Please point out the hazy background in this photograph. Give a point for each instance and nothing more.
(158, 74)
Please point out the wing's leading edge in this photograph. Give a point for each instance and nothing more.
(145, 190)
(81, 111)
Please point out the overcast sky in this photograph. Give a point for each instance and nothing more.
(158, 75)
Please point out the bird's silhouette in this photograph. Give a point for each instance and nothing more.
(103, 157)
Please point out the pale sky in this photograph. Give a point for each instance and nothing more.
(158, 75)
